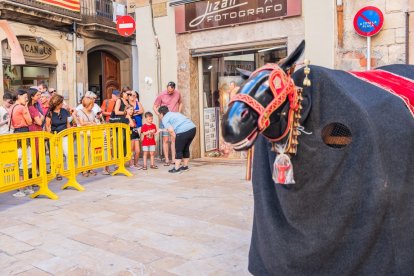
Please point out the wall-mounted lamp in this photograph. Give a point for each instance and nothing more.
(39, 39)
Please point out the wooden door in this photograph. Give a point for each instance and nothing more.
(111, 75)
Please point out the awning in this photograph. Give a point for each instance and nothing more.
(249, 47)
(182, 2)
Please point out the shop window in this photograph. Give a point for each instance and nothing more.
(221, 81)
(15, 77)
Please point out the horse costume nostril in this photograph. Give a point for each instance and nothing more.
(244, 114)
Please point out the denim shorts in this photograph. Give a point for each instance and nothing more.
(164, 133)
(148, 148)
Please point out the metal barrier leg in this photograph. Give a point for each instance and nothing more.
(121, 153)
(72, 182)
(43, 186)
(44, 191)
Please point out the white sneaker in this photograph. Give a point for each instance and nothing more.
(19, 194)
(28, 191)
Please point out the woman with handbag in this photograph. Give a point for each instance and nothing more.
(57, 120)
(20, 121)
(86, 117)
(120, 112)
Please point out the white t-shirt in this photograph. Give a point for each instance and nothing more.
(96, 109)
(28, 158)
(4, 115)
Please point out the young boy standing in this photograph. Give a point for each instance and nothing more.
(149, 130)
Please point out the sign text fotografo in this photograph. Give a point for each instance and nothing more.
(213, 14)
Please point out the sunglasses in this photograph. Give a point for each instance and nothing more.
(129, 94)
(10, 101)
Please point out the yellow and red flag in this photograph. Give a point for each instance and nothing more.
(73, 5)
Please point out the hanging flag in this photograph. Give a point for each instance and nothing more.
(73, 5)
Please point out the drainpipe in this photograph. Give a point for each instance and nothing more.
(75, 88)
(135, 67)
(158, 46)
(340, 22)
(407, 37)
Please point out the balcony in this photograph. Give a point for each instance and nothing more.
(34, 12)
(94, 19)
(98, 20)
(99, 12)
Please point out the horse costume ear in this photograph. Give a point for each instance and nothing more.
(289, 62)
(244, 73)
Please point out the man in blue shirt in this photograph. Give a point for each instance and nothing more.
(183, 130)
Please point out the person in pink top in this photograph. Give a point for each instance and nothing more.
(172, 99)
(19, 114)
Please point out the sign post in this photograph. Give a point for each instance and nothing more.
(125, 25)
(368, 22)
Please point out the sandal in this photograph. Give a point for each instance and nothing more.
(85, 174)
(59, 178)
(105, 172)
(92, 172)
(167, 164)
(144, 168)
(154, 167)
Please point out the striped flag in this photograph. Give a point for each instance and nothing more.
(73, 5)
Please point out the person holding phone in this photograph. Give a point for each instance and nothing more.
(20, 116)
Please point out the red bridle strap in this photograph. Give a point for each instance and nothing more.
(281, 86)
(250, 101)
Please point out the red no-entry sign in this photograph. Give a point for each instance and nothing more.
(125, 25)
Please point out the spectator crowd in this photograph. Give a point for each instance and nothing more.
(43, 109)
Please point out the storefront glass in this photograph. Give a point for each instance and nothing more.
(40, 65)
(221, 81)
(15, 77)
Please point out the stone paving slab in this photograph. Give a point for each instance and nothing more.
(154, 223)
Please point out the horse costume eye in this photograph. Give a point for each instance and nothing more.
(336, 135)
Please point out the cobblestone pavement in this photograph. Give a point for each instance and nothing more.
(154, 223)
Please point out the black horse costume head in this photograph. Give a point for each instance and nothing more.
(351, 209)
(261, 104)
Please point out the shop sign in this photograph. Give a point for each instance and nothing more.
(32, 50)
(213, 14)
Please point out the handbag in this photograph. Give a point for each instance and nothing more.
(115, 118)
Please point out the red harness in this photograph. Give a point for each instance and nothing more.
(282, 87)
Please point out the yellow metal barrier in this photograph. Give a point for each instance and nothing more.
(92, 147)
(23, 158)
(23, 163)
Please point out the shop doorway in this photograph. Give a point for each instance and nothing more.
(221, 81)
(104, 74)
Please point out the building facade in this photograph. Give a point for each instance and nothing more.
(73, 48)
(199, 44)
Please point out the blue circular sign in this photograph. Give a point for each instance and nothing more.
(368, 21)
